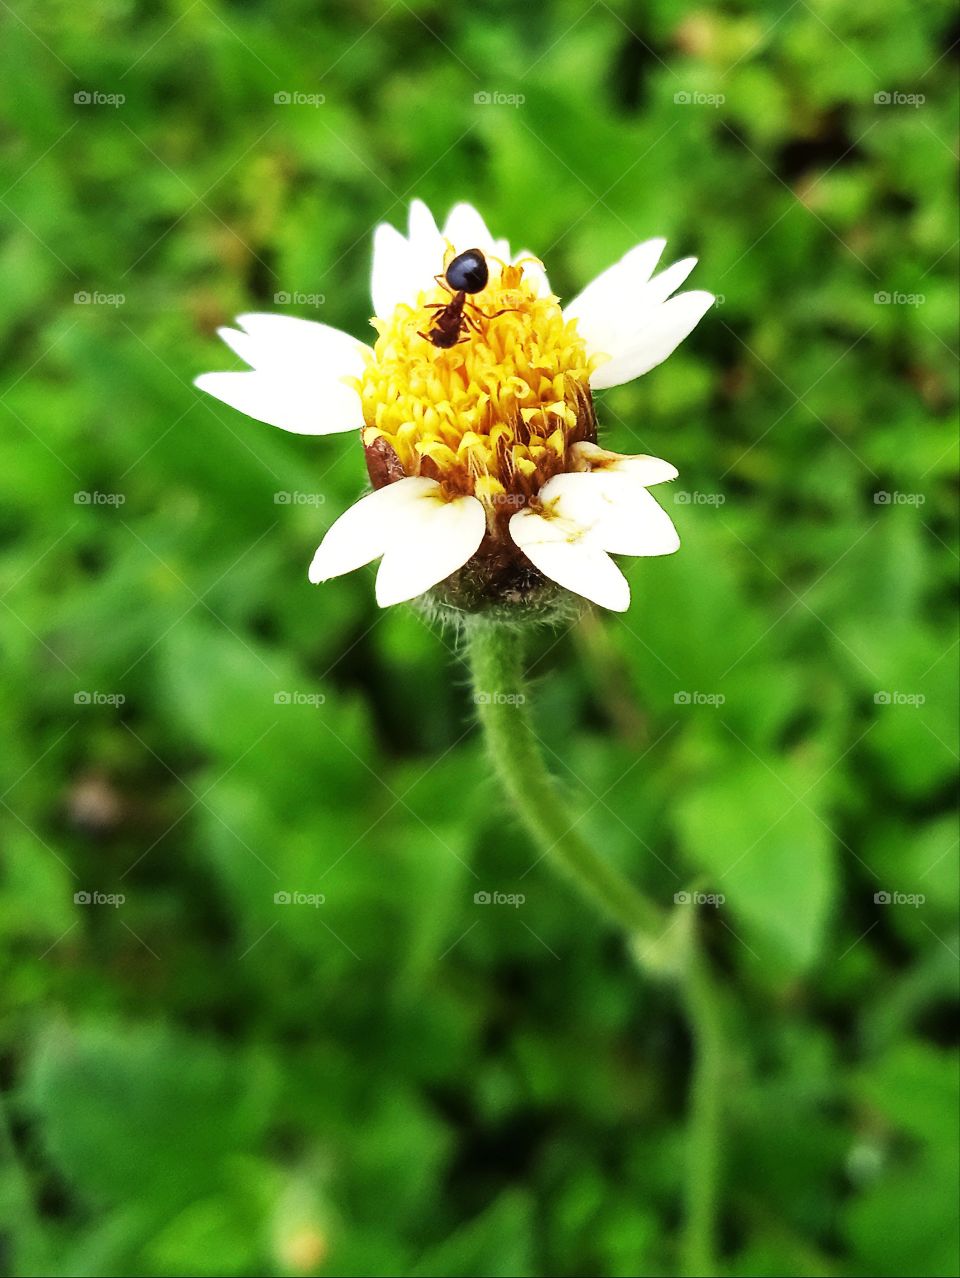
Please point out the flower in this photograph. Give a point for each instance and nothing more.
(475, 411)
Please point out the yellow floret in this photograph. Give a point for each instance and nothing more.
(493, 415)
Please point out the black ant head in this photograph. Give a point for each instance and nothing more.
(468, 272)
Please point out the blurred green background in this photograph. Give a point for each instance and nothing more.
(400, 1081)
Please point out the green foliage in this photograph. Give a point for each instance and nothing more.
(199, 1080)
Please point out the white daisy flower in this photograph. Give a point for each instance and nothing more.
(475, 411)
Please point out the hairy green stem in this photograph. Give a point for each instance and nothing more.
(699, 1242)
(496, 660)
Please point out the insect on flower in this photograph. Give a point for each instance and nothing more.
(490, 492)
(467, 273)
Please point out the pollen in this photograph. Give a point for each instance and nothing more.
(494, 415)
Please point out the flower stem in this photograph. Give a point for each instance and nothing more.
(706, 1113)
(496, 660)
(661, 947)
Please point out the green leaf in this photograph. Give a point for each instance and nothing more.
(144, 1115)
(497, 1243)
(760, 842)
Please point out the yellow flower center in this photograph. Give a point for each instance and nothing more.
(493, 415)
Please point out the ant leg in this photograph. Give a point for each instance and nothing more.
(506, 311)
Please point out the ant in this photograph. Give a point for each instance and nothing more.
(467, 273)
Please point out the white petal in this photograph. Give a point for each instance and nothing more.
(627, 277)
(394, 276)
(426, 248)
(624, 313)
(279, 341)
(667, 282)
(363, 532)
(614, 510)
(297, 378)
(648, 470)
(644, 469)
(465, 228)
(431, 540)
(577, 564)
(422, 228)
(650, 343)
(404, 266)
